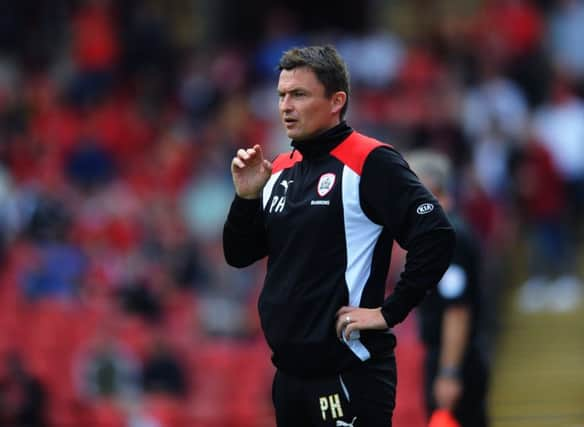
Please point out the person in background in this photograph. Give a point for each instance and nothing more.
(163, 371)
(107, 369)
(23, 398)
(326, 215)
(455, 369)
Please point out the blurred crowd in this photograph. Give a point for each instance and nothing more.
(118, 121)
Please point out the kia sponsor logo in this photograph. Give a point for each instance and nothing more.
(425, 208)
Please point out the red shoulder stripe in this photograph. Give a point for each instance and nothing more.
(284, 161)
(354, 150)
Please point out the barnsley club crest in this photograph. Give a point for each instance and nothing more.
(325, 184)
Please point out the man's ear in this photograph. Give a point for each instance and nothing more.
(338, 101)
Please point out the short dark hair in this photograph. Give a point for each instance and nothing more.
(328, 66)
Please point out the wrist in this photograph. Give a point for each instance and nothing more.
(452, 372)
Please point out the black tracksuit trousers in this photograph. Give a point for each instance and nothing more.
(364, 396)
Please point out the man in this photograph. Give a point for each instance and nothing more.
(326, 215)
(456, 373)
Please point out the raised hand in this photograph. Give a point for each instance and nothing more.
(250, 172)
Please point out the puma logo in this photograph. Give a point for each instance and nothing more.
(341, 423)
(285, 184)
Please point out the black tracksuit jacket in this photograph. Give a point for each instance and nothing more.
(327, 221)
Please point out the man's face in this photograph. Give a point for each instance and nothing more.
(305, 110)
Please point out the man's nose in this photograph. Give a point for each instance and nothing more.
(285, 104)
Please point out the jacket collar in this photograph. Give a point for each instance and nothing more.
(324, 142)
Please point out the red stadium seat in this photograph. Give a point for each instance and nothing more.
(107, 414)
(165, 409)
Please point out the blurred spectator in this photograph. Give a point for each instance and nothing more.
(33, 31)
(120, 127)
(540, 193)
(227, 304)
(204, 204)
(95, 51)
(89, 165)
(482, 212)
(490, 159)
(148, 56)
(374, 59)
(10, 86)
(50, 219)
(58, 265)
(168, 242)
(58, 272)
(107, 369)
(11, 216)
(495, 99)
(281, 32)
(559, 125)
(440, 129)
(516, 43)
(23, 399)
(53, 122)
(162, 370)
(139, 298)
(197, 93)
(565, 38)
(519, 28)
